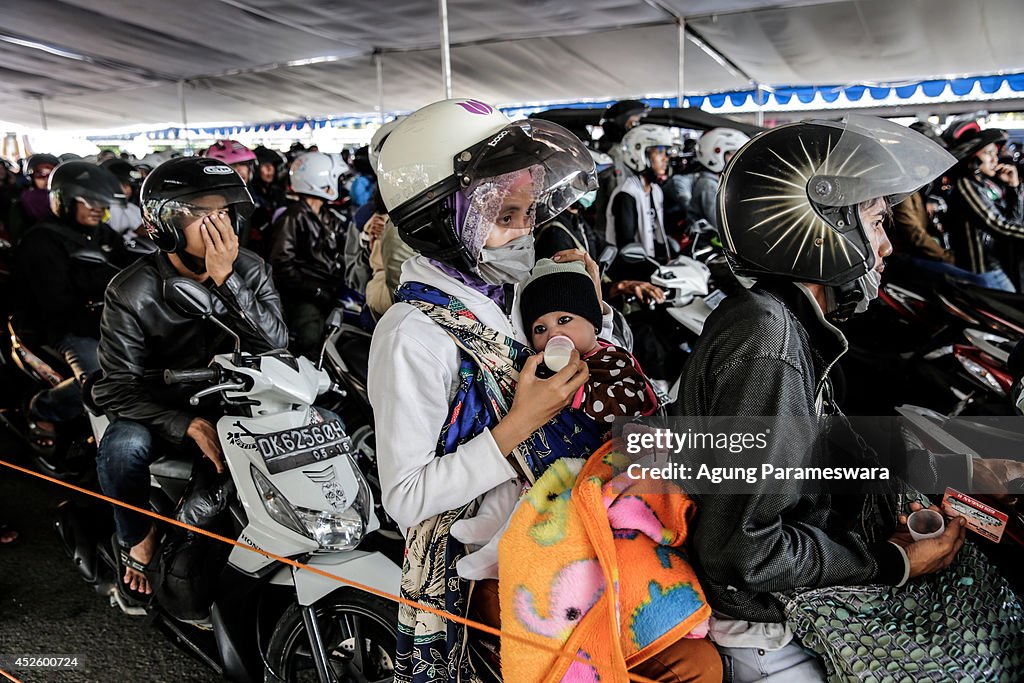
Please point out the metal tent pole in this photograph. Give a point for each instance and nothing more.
(681, 43)
(184, 115)
(42, 112)
(446, 50)
(380, 86)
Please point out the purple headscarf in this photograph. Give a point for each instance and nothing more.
(459, 204)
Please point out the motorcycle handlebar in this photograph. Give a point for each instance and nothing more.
(198, 375)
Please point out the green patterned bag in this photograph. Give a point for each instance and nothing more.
(961, 624)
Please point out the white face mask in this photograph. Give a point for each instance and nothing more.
(508, 264)
(869, 283)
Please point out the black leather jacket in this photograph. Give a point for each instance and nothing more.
(141, 335)
(308, 252)
(767, 351)
(55, 290)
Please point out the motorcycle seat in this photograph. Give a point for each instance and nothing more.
(1008, 305)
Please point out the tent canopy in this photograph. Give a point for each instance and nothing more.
(108, 63)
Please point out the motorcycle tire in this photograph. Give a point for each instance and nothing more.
(340, 617)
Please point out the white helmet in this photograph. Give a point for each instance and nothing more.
(462, 145)
(638, 140)
(316, 174)
(377, 141)
(712, 146)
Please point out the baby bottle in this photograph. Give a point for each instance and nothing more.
(557, 352)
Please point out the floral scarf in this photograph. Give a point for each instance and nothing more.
(431, 649)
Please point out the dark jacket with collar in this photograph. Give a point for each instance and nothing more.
(142, 335)
(55, 290)
(767, 352)
(308, 252)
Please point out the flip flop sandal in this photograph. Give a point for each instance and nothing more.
(6, 529)
(124, 560)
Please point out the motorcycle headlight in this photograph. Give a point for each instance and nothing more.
(332, 530)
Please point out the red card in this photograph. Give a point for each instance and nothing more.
(982, 519)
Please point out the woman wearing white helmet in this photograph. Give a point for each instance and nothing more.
(308, 249)
(714, 150)
(456, 399)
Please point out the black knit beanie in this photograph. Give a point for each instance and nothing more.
(559, 287)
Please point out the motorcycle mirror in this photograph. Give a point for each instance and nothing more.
(335, 318)
(634, 252)
(608, 255)
(333, 325)
(188, 297)
(93, 257)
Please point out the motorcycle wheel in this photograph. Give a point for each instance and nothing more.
(360, 634)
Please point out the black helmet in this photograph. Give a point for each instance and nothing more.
(169, 193)
(125, 173)
(615, 118)
(265, 155)
(81, 180)
(37, 160)
(788, 202)
(361, 162)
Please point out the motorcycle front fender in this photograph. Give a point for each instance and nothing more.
(372, 569)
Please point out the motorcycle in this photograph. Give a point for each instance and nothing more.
(943, 344)
(294, 491)
(31, 368)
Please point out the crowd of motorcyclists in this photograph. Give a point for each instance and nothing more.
(431, 230)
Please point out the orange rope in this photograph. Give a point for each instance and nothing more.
(368, 589)
(8, 676)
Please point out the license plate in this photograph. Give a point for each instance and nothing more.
(283, 451)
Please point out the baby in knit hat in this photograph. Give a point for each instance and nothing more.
(560, 299)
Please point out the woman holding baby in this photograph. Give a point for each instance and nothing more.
(463, 420)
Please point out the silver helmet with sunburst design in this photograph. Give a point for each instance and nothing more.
(788, 200)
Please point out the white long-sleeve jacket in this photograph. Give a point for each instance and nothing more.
(413, 377)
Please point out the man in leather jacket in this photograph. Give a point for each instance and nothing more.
(194, 208)
(768, 351)
(308, 251)
(59, 292)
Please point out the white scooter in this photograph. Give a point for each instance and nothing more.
(686, 283)
(295, 491)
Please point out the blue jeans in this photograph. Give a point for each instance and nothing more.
(993, 279)
(64, 401)
(790, 664)
(996, 279)
(122, 464)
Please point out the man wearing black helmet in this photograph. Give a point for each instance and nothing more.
(194, 209)
(58, 292)
(802, 209)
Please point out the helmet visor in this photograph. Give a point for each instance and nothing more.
(555, 156)
(184, 211)
(875, 158)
